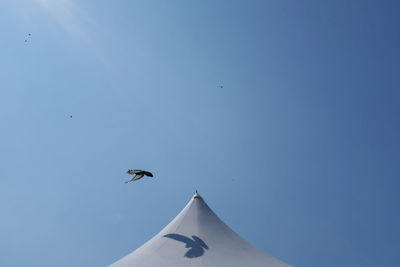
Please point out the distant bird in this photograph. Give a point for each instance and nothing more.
(221, 86)
(70, 116)
(138, 175)
(26, 40)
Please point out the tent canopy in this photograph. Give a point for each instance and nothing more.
(198, 238)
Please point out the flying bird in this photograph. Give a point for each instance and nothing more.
(138, 175)
(26, 40)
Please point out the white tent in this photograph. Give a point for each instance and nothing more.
(198, 238)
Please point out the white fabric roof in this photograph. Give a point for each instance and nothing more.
(198, 238)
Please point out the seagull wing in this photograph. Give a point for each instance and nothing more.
(148, 173)
(131, 180)
(134, 171)
(138, 176)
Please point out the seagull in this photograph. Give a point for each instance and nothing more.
(138, 175)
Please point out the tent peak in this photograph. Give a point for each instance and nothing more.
(196, 237)
(197, 195)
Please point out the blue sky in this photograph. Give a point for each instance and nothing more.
(298, 152)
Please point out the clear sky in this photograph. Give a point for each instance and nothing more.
(298, 151)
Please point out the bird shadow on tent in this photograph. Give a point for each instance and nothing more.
(195, 244)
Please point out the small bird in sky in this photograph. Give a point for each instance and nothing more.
(70, 116)
(138, 175)
(26, 40)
